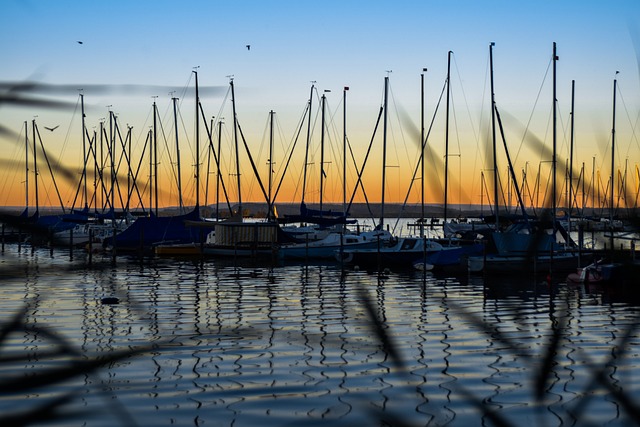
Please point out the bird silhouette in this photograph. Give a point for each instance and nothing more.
(79, 42)
(248, 47)
(52, 129)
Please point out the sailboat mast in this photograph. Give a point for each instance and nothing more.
(324, 98)
(26, 166)
(554, 159)
(155, 153)
(493, 137)
(35, 166)
(112, 150)
(96, 170)
(306, 153)
(235, 138)
(613, 151)
(571, 140)
(130, 184)
(446, 138)
(218, 171)
(84, 152)
(344, 151)
(103, 189)
(422, 144)
(175, 120)
(270, 210)
(384, 151)
(197, 171)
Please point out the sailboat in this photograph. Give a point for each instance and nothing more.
(148, 232)
(528, 244)
(336, 236)
(396, 251)
(236, 237)
(94, 227)
(52, 229)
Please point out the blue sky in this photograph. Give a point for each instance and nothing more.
(335, 44)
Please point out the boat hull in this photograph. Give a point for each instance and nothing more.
(186, 249)
(500, 264)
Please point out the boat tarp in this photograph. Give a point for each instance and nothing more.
(146, 232)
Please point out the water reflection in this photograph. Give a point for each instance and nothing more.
(263, 345)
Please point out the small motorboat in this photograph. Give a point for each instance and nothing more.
(597, 272)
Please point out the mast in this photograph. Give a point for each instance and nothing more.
(150, 138)
(235, 138)
(306, 153)
(26, 166)
(175, 120)
(197, 171)
(324, 98)
(493, 137)
(571, 140)
(422, 146)
(446, 137)
(130, 184)
(103, 189)
(218, 171)
(84, 152)
(554, 159)
(35, 167)
(112, 151)
(613, 151)
(270, 210)
(384, 150)
(155, 153)
(344, 152)
(96, 171)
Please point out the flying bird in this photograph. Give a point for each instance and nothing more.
(52, 129)
(79, 42)
(248, 47)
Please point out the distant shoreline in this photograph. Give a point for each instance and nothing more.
(358, 210)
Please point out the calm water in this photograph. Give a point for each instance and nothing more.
(294, 345)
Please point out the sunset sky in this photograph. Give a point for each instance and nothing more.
(134, 51)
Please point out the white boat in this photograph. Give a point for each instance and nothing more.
(334, 242)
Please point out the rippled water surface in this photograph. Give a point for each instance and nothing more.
(249, 345)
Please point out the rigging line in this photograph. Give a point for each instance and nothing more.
(331, 137)
(216, 156)
(564, 145)
(395, 146)
(424, 143)
(464, 96)
(168, 153)
(265, 133)
(119, 163)
(66, 138)
(473, 128)
(19, 164)
(633, 125)
(186, 135)
(301, 124)
(289, 149)
(524, 135)
(402, 132)
(361, 169)
(144, 129)
(364, 193)
(56, 164)
(253, 165)
(481, 145)
(332, 133)
(185, 88)
(284, 148)
(458, 155)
